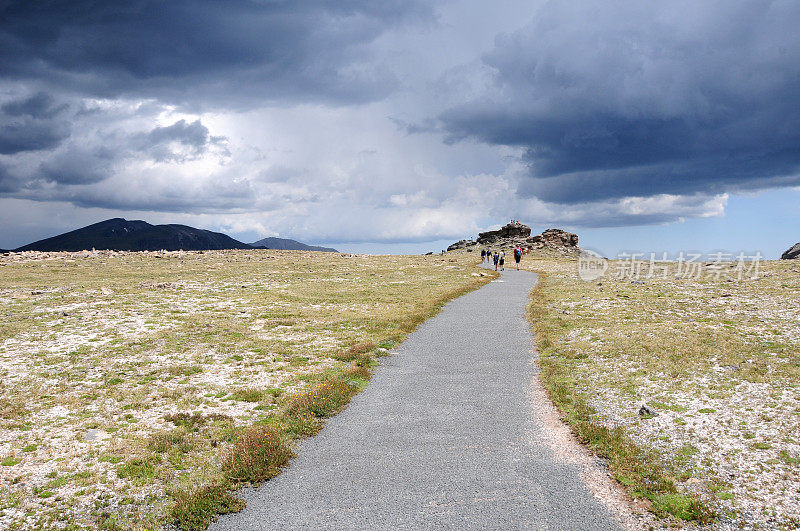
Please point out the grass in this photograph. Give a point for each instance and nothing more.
(260, 452)
(247, 395)
(639, 471)
(324, 399)
(717, 360)
(10, 461)
(156, 362)
(136, 468)
(195, 509)
(258, 455)
(177, 439)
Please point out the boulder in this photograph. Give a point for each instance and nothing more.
(560, 238)
(461, 244)
(793, 253)
(645, 411)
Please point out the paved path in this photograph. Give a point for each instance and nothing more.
(443, 438)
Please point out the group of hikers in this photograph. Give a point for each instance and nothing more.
(499, 257)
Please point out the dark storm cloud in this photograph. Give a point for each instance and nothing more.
(229, 52)
(22, 136)
(615, 99)
(7, 182)
(78, 166)
(215, 194)
(38, 105)
(32, 124)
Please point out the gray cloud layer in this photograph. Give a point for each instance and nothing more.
(616, 98)
(32, 124)
(281, 115)
(229, 53)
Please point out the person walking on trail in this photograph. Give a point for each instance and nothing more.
(496, 259)
(483, 255)
(517, 255)
(502, 260)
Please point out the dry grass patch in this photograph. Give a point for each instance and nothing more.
(717, 360)
(141, 369)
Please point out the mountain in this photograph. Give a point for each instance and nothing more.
(123, 235)
(290, 245)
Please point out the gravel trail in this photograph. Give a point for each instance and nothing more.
(443, 438)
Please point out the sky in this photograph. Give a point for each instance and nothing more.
(403, 125)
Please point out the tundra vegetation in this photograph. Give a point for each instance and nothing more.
(714, 358)
(138, 389)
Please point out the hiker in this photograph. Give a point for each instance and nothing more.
(483, 255)
(496, 259)
(517, 255)
(502, 260)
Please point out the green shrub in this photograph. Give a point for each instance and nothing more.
(681, 506)
(195, 509)
(259, 454)
(323, 400)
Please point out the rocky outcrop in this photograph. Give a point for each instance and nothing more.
(515, 229)
(557, 238)
(793, 253)
(461, 244)
(518, 234)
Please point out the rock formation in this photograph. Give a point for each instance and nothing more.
(557, 238)
(461, 244)
(515, 229)
(516, 233)
(792, 253)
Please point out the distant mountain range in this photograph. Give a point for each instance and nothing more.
(122, 235)
(287, 244)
